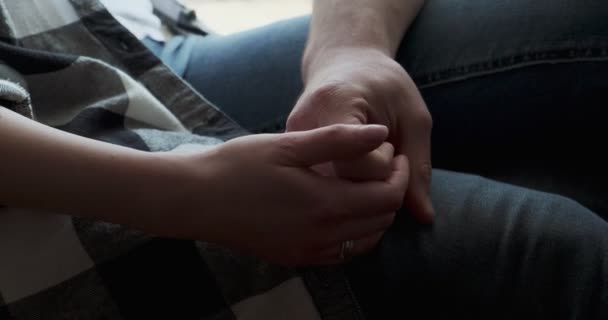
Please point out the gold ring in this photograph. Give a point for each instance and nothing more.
(346, 249)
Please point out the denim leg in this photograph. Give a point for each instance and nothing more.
(517, 90)
(253, 76)
(175, 53)
(496, 251)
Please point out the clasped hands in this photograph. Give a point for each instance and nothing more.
(357, 148)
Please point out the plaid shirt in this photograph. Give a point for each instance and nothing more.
(68, 64)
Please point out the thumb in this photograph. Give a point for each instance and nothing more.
(331, 143)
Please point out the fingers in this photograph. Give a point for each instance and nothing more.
(368, 198)
(416, 144)
(336, 142)
(358, 218)
(363, 235)
(376, 165)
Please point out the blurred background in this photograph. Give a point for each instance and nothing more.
(229, 16)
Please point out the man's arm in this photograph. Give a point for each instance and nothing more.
(378, 24)
(350, 76)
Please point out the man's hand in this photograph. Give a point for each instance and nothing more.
(365, 86)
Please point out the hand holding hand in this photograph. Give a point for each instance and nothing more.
(258, 195)
(365, 86)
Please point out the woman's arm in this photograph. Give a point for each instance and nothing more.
(45, 168)
(255, 194)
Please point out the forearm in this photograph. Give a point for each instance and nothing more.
(377, 24)
(44, 168)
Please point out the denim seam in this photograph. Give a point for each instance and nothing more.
(509, 63)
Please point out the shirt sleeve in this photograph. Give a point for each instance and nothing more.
(14, 97)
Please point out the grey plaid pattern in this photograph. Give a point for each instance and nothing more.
(70, 65)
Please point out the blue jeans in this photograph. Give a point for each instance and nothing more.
(518, 93)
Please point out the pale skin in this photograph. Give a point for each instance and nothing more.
(258, 194)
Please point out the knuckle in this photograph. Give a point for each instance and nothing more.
(297, 121)
(423, 120)
(325, 94)
(286, 147)
(344, 96)
(358, 103)
(337, 132)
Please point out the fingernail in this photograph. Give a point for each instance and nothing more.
(374, 127)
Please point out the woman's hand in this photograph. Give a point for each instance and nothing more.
(258, 195)
(365, 86)
(254, 194)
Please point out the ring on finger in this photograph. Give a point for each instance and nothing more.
(346, 249)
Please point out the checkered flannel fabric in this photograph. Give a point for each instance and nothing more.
(70, 65)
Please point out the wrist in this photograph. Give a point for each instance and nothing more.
(317, 60)
(152, 185)
(178, 199)
(127, 188)
(162, 193)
